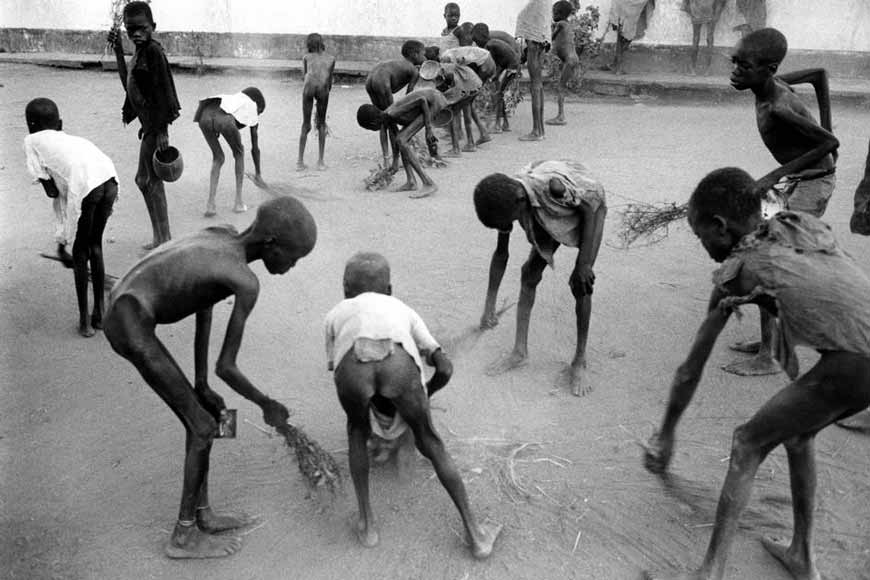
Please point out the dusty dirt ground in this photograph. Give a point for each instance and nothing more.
(91, 459)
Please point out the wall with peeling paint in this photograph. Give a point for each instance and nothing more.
(840, 25)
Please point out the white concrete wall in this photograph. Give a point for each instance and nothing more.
(808, 24)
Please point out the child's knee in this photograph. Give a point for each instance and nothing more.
(142, 181)
(530, 275)
(218, 158)
(306, 126)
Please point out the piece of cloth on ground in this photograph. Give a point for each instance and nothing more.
(533, 21)
(560, 218)
(820, 292)
(631, 16)
(76, 165)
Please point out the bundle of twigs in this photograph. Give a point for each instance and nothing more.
(319, 469)
(644, 221)
(379, 178)
(423, 154)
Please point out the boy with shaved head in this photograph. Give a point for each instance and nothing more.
(185, 277)
(376, 345)
(792, 266)
(805, 150)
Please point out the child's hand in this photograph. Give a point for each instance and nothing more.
(162, 140)
(113, 39)
(582, 280)
(274, 413)
(212, 402)
(762, 186)
(488, 321)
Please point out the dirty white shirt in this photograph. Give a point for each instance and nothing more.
(376, 316)
(240, 106)
(76, 165)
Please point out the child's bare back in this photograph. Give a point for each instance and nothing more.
(395, 74)
(563, 41)
(318, 68)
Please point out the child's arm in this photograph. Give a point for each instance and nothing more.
(593, 232)
(443, 372)
(213, 402)
(415, 76)
(435, 357)
(497, 267)
(818, 78)
(245, 297)
(827, 143)
(329, 74)
(117, 45)
(304, 66)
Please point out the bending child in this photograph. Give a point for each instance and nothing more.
(791, 266)
(83, 184)
(376, 345)
(563, 46)
(417, 110)
(226, 115)
(805, 150)
(151, 98)
(389, 77)
(188, 277)
(555, 202)
(317, 69)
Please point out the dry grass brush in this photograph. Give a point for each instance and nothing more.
(649, 223)
(319, 469)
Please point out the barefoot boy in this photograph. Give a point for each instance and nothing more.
(805, 150)
(451, 19)
(317, 68)
(792, 266)
(83, 184)
(563, 46)
(389, 77)
(376, 345)
(226, 115)
(481, 63)
(151, 98)
(533, 27)
(189, 276)
(555, 202)
(413, 112)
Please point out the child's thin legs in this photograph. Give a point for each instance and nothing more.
(98, 271)
(80, 255)
(469, 135)
(217, 154)
(307, 106)
(568, 71)
(357, 435)
(481, 128)
(322, 130)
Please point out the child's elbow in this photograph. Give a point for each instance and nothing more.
(224, 371)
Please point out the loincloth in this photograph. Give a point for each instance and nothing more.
(384, 425)
(808, 192)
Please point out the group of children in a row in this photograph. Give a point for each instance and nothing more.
(789, 265)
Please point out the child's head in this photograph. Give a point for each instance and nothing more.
(370, 117)
(480, 34)
(463, 33)
(366, 272)
(256, 96)
(287, 232)
(562, 10)
(42, 114)
(757, 57)
(413, 52)
(432, 53)
(497, 199)
(451, 14)
(314, 43)
(139, 22)
(722, 209)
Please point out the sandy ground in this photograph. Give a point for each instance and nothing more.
(91, 459)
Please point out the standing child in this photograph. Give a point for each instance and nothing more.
(451, 19)
(805, 150)
(555, 202)
(376, 345)
(533, 28)
(83, 184)
(792, 266)
(317, 68)
(389, 77)
(563, 46)
(188, 277)
(416, 110)
(151, 98)
(226, 115)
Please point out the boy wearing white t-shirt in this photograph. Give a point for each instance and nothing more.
(225, 115)
(83, 183)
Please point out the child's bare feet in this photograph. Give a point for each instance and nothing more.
(210, 522)
(301, 166)
(367, 536)
(469, 148)
(453, 153)
(210, 210)
(657, 453)
(483, 139)
(557, 120)
(506, 128)
(86, 330)
(97, 320)
(578, 380)
(240, 207)
(408, 186)
(513, 361)
(425, 191)
(481, 547)
(321, 166)
(533, 136)
(798, 567)
(64, 256)
(191, 542)
(759, 365)
(859, 422)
